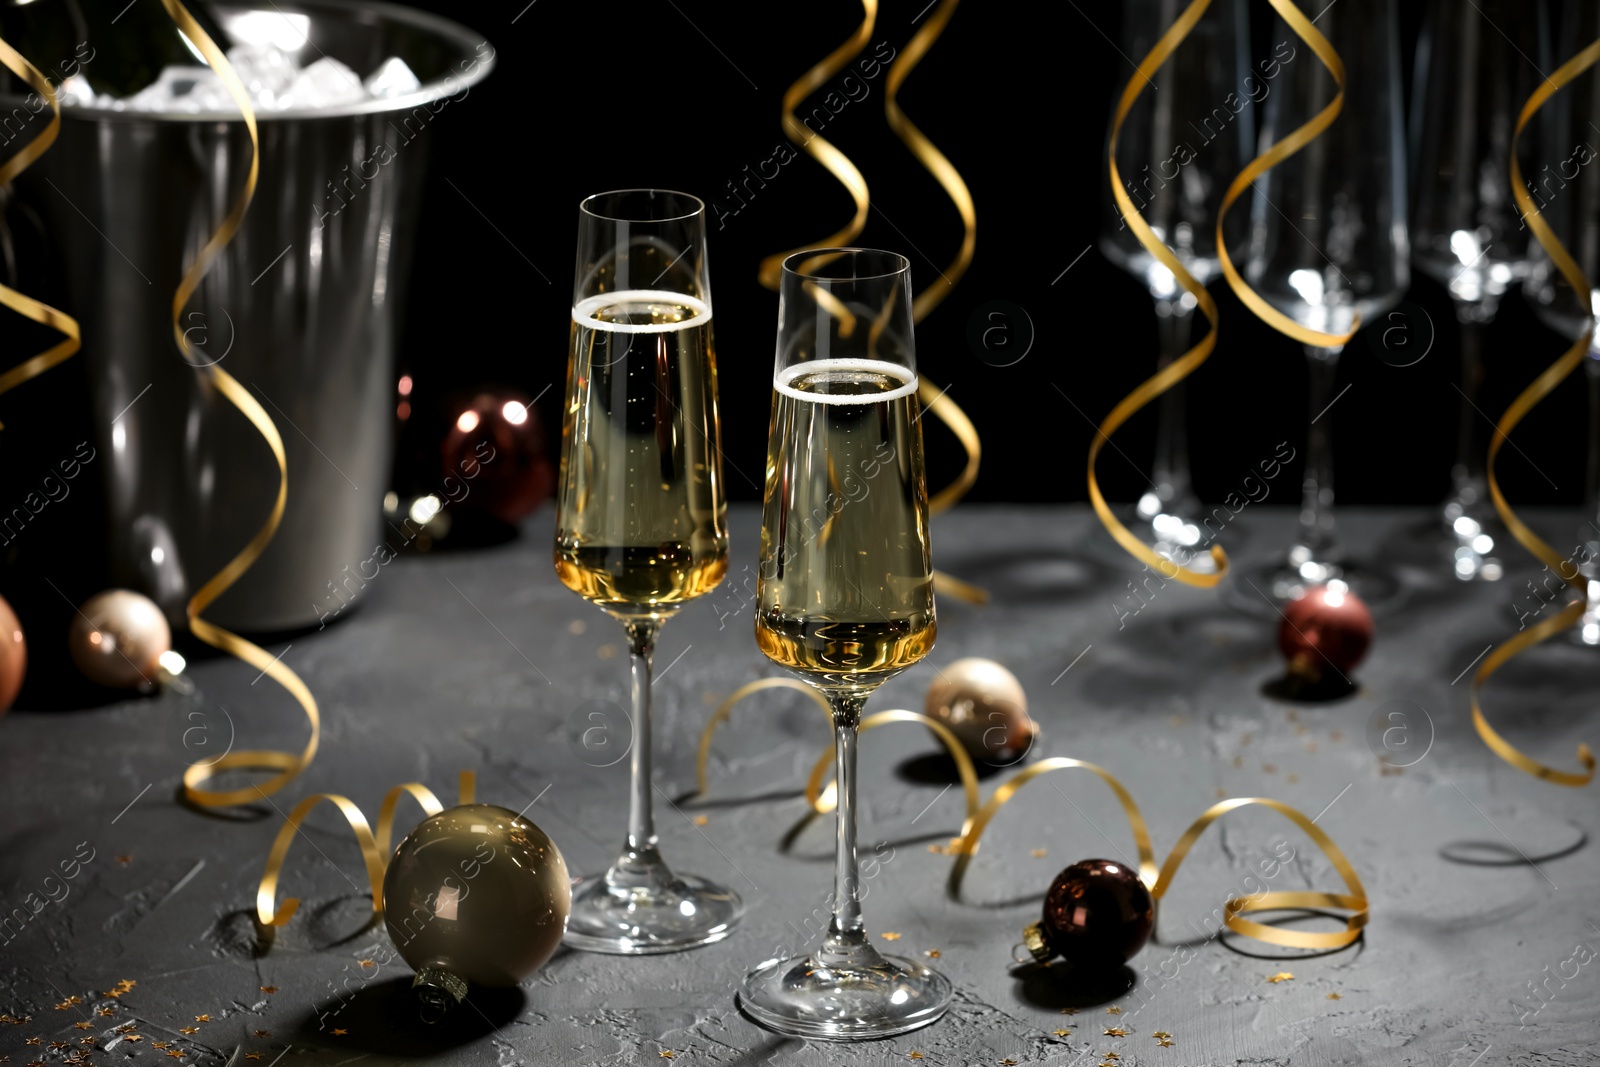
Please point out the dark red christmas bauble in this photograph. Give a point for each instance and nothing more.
(1097, 914)
(13, 656)
(1326, 626)
(494, 457)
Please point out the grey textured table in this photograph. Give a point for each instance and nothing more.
(482, 660)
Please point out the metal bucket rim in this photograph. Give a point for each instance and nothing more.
(439, 88)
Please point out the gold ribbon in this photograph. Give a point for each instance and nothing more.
(26, 306)
(375, 850)
(1158, 881)
(1296, 139)
(1541, 387)
(821, 149)
(286, 764)
(1184, 365)
(849, 175)
(934, 161)
(822, 800)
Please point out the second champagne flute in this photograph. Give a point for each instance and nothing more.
(641, 514)
(845, 593)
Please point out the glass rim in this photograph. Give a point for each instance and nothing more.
(791, 264)
(585, 207)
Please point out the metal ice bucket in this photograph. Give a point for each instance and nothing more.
(303, 308)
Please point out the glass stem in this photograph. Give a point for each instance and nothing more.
(1316, 540)
(1170, 470)
(640, 857)
(1589, 535)
(1467, 475)
(846, 944)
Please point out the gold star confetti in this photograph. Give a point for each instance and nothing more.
(126, 983)
(1335, 996)
(58, 1045)
(666, 1054)
(1063, 1033)
(1281, 976)
(889, 935)
(34, 1040)
(112, 993)
(932, 953)
(176, 1054)
(202, 1018)
(126, 1028)
(913, 1055)
(1112, 1056)
(124, 860)
(104, 1011)
(1069, 1011)
(188, 1029)
(269, 989)
(252, 1055)
(1115, 1031)
(1008, 1062)
(1113, 1011)
(35, 1063)
(366, 963)
(607, 652)
(1159, 1034)
(160, 1044)
(1164, 1043)
(134, 1037)
(702, 820)
(83, 1026)
(87, 1040)
(1038, 853)
(262, 1033)
(339, 1033)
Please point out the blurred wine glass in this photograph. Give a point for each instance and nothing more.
(1475, 68)
(1182, 142)
(1564, 183)
(1328, 247)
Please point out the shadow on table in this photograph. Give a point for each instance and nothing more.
(1028, 574)
(1059, 985)
(381, 1019)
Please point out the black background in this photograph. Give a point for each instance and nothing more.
(685, 94)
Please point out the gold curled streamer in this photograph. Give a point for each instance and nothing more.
(821, 149)
(1541, 387)
(823, 801)
(720, 716)
(286, 764)
(1184, 365)
(1159, 881)
(945, 173)
(375, 850)
(26, 306)
(1296, 139)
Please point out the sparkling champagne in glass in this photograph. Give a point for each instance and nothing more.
(845, 594)
(641, 513)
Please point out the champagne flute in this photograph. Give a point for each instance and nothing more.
(641, 513)
(1179, 145)
(845, 593)
(1564, 182)
(1474, 72)
(1328, 245)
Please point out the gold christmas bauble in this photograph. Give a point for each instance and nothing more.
(117, 639)
(475, 895)
(984, 706)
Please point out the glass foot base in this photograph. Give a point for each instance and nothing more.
(801, 997)
(675, 913)
(1261, 591)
